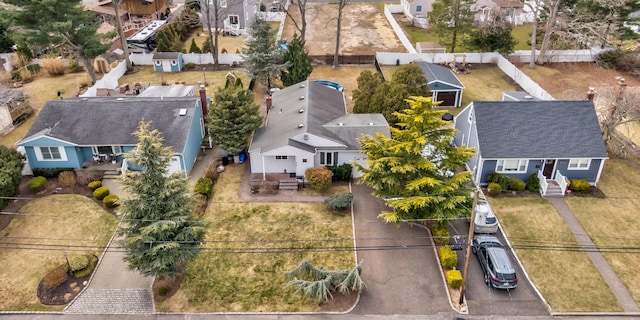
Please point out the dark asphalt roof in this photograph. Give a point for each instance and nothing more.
(538, 129)
(111, 121)
(434, 72)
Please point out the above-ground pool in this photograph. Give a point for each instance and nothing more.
(330, 84)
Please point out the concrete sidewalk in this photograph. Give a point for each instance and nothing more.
(621, 293)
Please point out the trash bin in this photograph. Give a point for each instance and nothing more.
(225, 161)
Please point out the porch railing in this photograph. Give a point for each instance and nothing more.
(561, 181)
(543, 183)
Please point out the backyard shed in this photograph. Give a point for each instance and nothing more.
(168, 62)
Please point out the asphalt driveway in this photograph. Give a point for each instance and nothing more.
(399, 264)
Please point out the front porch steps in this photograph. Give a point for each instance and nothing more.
(288, 184)
(111, 175)
(553, 190)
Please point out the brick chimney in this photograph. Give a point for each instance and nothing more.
(591, 93)
(203, 101)
(269, 103)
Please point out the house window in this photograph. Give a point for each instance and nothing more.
(174, 62)
(223, 3)
(106, 149)
(579, 164)
(281, 157)
(234, 19)
(470, 116)
(328, 158)
(50, 153)
(512, 166)
(418, 8)
(304, 160)
(158, 62)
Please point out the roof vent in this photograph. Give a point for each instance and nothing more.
(301, 110)
(302, 86)
(370, 123)
(528, 97)
(300, 125)
(340, 124)
(301, 97)
(85, 99)
(120, 99)
(305, 137)
(183, 112)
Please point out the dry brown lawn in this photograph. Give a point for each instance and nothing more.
(566, 277)
(249, 246)
(231, 44)
(612, 223)
(36, 239)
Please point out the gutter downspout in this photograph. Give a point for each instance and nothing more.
(264, 174)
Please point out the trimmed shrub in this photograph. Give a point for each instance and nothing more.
(111, 201)
(101, 193)
(609, 59)
(533, 183)
(10, 174)
(67, 178)
(516, 184)
(78, 263)
(93, 185)
(319, 178)
(448, 257)
(162, 291)
(340, 201)
(56, 277)
(454, 278)
(440, 233)
(341, 172)
(74, 66)
(190, 65)
(494, 189)
(33, 68)
(203, 186)
(579, 185)
(49, 172)
(83, 273)
(500, 179)
(36, 184)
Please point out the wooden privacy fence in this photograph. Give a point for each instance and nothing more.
(342, 59)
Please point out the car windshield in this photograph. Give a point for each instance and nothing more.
(506, 276)
(490, 220)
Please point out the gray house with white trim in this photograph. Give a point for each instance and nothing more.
(444, 85)
(307, 126)
(553, 139)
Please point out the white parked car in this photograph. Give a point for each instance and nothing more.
(485, 221)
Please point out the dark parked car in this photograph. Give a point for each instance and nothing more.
(494, 260)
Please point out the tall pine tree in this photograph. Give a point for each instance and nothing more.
(264, 60)
(233, 117)
(161, 232)
(417, 171)
(298, 62)
(451, 20)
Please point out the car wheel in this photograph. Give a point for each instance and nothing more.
(473, 249)
(486, 279)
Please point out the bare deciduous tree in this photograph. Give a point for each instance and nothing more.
(301, 5)
(212, 14)
(336, 54)
(617, 107)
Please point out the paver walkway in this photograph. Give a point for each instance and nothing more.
(625, 299)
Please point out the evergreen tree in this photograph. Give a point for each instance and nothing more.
(368, 83)
(161, 232)
(417, 171)
(263, 59)
(451, 19)
(298, 62)
(10, 174)
(233, 117)
(59, 22)
(321, 283)
(163, 44)
(206, 46)
(493, 36)
(6, 44)
(194, 47)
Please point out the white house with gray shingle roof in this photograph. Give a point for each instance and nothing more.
(308, 126)
(68, 133)
(553, 139)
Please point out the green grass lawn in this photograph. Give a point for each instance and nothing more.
(566, 278)
(249, 247)
(612, 223)
(522, 34)
(57, 224)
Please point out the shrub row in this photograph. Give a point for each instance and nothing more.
(341, 172)
(100, 193)
(499, 182)
(448, 257)
(49, 172)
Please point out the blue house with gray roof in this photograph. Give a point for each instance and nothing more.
(552, 139)
(69, 133)
(444, 85)
(307, 126)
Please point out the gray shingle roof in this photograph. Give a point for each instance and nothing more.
(434, 72)
(110, 121)
(538, 129)
(166, 55)
(309, 107)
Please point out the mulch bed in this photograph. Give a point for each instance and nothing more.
(63, 293)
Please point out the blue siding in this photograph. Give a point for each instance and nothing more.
(157, 68)
(467, 135)
(490, 165)
(194, 140)
(589, 175)
(74, 158)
